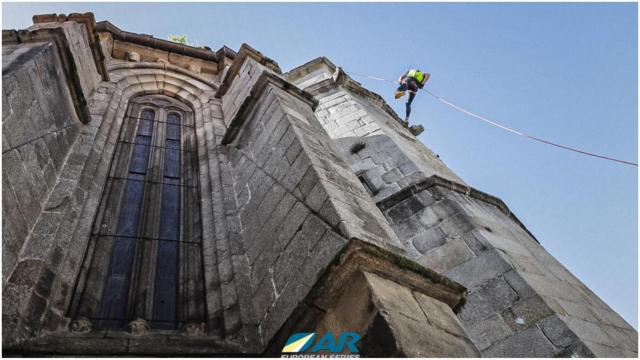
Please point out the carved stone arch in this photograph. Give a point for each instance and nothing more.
(146, 258)
(173, 109)
(165, 102)
(188, 92)
(162, 66)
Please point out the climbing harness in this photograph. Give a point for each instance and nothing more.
(503, 127)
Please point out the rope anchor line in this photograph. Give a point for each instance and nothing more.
(503, 127)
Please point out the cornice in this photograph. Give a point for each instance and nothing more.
(360, 256)
(150, 41)
(436, 180)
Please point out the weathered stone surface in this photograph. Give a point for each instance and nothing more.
(356, 295)
(451, 254)
(557, 331)
(518, 284)
(510, 276)
(528, 343)
(491, 298)
(487, 331)
(484, 267)
(526, 312)
(435, 311)
(589, 331)
(278, 202)
(428, 239)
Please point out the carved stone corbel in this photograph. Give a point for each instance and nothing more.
(139, 327)
(81, 325)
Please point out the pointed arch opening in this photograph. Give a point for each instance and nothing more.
(144, 259)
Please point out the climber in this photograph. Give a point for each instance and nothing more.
(412, 80)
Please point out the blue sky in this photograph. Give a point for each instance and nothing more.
(565, 72)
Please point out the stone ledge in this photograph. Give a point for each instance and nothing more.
(150, 41)
(266, 78)
(110, 343)
(436, 180)
(57, 37)
(358, 257)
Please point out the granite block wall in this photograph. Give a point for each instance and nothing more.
(520, 301)
(77, 39)
(367, 131)
(39, 126)
(298, 203)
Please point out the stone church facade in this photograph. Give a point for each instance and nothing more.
(161, 199)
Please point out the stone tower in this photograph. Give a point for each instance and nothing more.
(161, 199)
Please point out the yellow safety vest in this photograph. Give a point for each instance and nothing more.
(416, 74)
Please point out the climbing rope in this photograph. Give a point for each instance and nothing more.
(503, 127)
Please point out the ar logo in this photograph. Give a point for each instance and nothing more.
(301, 342)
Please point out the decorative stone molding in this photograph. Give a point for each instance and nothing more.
(436, 180)
(133, 56)
(162, 64)
(194, 329)
(138, 327)
(150, 41)
(360, 256)
(118, 44)
(81, 325)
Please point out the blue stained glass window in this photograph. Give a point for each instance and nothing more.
(173, 126)
(143, 220)
(124, 246)
(140, 156)
(170, 213)
(166, 286)
(145, 126)
(172, 163)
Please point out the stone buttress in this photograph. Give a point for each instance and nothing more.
(520, 301)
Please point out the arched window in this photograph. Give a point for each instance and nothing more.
(145, 256)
